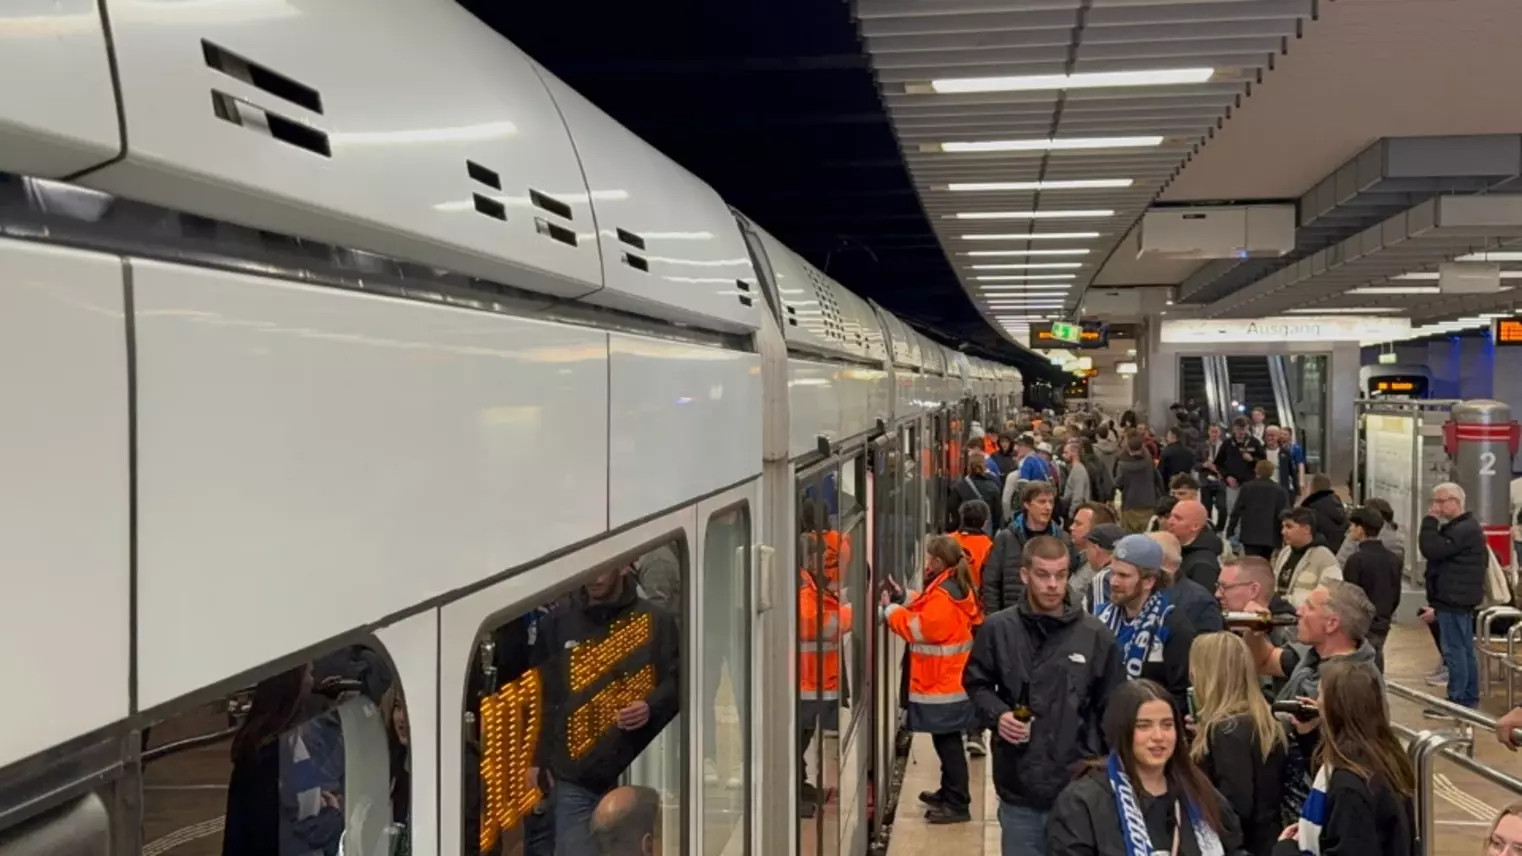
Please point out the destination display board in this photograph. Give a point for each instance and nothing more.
(1090, 334)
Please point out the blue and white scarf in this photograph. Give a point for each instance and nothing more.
(1313, 815)
(1133, 826)
(1137, 636)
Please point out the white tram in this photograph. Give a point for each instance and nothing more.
(342, 341)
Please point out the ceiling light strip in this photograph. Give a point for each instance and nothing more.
(1077, 184)
(1077, 80)
(1051, 144)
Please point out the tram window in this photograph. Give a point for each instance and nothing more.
(312, 760)
(726, 677)
(574, 698)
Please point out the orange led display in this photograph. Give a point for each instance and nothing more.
(590, 661)
(1394, 385)
(593, 719)
(1508, 332)
(510, 723)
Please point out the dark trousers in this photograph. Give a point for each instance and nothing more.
(1213, 497)
(1378, 641)
(955, 784)
(1260, 552)
(1437, 636)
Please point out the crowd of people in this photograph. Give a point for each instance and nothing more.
(1195, 622)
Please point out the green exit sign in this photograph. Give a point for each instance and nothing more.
(1064, 332)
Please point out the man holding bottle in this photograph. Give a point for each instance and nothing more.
(1020, 678)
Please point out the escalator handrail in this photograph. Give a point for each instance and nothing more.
(188, 744)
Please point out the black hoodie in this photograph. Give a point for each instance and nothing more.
(1069, 663)
(1202, 559)
(577, 623)
(1331, 517)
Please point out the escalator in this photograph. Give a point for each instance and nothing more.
(1252, 385)
(1192, 381)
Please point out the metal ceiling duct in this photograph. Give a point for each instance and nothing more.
(1389, 176)
(1429, 233)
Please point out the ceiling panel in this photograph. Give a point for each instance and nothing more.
(913, 43)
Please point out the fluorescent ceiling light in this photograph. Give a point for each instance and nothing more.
(1052, 144)
(1344, 310)
(1010, 290)
(1433, 276)
(1080, 80)
(1491, 257)
(1397, 289)
(1034, 236)
(1034, 215)
(994, 253)
(1078, 184)
(1032, 266)
(1024, 276)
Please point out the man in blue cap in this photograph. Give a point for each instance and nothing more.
(1153, 637)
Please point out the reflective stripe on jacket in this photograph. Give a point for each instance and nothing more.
(937, 624)
(822, 619)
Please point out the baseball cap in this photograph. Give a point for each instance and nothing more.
(1141, 551)
(1106, 535)
(1044, 447)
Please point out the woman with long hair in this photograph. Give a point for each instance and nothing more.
(937, 624)
(1505, 838)
(269, 809)
(1238, 743)
(1360, 801)
(1147, 796)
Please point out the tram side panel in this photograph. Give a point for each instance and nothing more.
(311, 460)
(64, 623)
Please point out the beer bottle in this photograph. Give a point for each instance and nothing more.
(1259, 621)
(1022, 709)
(1301, 711)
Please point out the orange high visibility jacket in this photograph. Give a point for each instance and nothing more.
(990, 444)
(822, 620)
(976, 546)
(937, 624)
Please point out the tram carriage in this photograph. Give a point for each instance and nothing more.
(350, 352)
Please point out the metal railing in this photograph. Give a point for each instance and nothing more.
(1486, 651)
(1424, 747)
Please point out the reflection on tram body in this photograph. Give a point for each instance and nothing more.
(574, 697)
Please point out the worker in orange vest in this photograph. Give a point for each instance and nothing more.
(822, 621)
(937, 624)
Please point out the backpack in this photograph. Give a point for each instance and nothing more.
(1101, 482)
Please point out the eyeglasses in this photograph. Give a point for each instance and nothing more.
(1219, 586)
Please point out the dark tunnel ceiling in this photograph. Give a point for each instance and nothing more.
(772, 103)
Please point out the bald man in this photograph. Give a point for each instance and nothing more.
(1201, 546)
(1197, 604)
(627, 822)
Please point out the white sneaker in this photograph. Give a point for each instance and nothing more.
(1438, 678)
(710, 772)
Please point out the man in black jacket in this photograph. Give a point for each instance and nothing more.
(1002, 586)
(1255, 514)
(1331, 516)
(1046, 655)
(1176, 458)
(1453, 543)
(1201, 547)
(1376, 570)
(1235, 459)
(580, 754)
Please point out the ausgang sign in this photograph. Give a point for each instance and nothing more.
(1304, 328)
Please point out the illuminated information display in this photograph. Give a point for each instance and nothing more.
(513, 717)
(1508, 331)
(1406, 386)
(1089, 334)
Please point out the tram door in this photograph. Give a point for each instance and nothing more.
(886, 531)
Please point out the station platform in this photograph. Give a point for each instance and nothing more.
(1466, 803)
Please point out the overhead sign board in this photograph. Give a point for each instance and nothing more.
(1288, 328)
(1507, 331)
(1090, 334)
(1065, 332)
